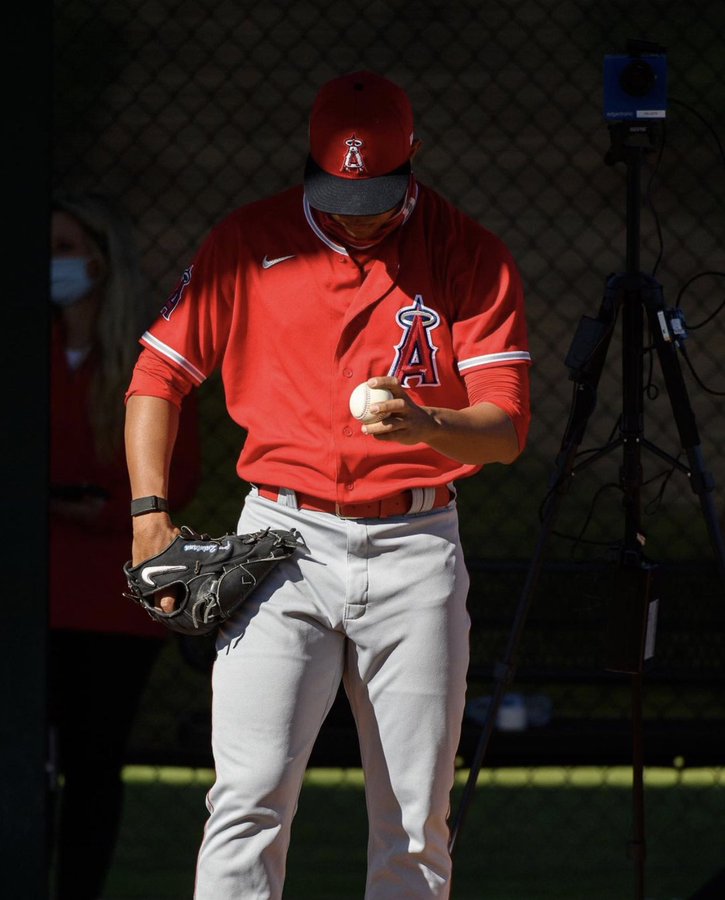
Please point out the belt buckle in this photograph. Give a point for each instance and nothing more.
(338, 512)
(368, 513)
(373, 510)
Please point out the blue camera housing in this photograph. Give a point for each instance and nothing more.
(635, 87)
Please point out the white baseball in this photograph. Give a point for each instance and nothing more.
(363, 397)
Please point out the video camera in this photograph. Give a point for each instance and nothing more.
(635, 83)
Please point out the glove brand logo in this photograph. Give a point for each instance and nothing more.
(267, 263)
(206, 548)
(148, 573)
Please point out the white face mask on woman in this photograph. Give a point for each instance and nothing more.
(69, 279)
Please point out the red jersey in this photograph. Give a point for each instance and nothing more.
(294, 324)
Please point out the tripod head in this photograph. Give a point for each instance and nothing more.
(635, 99)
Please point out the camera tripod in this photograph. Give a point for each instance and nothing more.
(638, 297)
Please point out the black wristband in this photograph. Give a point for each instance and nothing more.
(148, 504)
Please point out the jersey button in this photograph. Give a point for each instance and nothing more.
(347, 373)
(350, 485)
(347, 431)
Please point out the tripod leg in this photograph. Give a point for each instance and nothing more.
(637, 846)
(631, 637)
(701, 480)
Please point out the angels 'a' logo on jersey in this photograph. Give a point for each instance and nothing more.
(175, 298)
(415, 354)
(353, 162)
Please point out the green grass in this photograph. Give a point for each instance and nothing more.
(529, 834)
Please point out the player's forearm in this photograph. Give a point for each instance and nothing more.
(479, 434)
(476, 435)
(151, 427)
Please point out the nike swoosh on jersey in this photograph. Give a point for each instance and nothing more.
(268, 263)
(148, 573)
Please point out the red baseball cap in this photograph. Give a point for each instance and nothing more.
(361, 138)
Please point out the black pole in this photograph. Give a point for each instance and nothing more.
(632, 430)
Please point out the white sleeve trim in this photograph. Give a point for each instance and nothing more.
(164, 349)
(487, 359)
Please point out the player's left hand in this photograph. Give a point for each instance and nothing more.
(405, 421)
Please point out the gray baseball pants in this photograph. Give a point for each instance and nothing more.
(380, 603)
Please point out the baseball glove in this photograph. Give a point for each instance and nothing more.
(212, 576)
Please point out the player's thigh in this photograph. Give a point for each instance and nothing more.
(408, 659)
(274, 680)
(416, 627)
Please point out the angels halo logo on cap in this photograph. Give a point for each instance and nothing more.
(361, 138)
(353, 161)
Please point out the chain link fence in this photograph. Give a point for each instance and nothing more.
(182, 111)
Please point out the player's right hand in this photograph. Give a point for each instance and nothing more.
(152, 533)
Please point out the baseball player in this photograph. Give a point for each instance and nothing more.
(359, 274)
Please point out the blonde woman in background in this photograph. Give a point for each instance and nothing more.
(101, 648)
